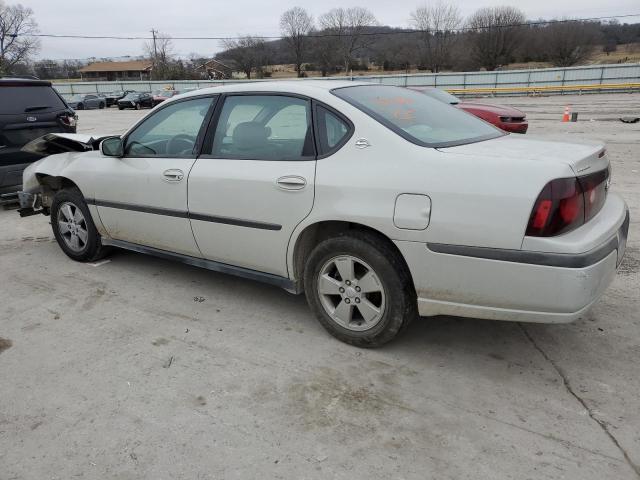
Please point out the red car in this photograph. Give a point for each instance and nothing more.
(160, 96)
(507, 118)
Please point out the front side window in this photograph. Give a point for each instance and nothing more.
(170, 132)
(264, 127)
(416, 117)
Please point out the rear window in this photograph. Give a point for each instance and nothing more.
(441, 95)
(418, 118)
(25, 99)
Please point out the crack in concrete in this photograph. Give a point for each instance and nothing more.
(604, 426)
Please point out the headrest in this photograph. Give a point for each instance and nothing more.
(248, 135)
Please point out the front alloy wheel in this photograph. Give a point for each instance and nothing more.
(351, 293)
(73, 227)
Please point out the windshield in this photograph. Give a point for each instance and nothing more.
(441, 95)
(416, 117)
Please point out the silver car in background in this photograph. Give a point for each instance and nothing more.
(86, 102)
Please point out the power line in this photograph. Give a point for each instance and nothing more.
(324, 35)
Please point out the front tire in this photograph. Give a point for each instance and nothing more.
(73, 227)
(138, 106)
(101, 106)
(359, 288)
(80, 106)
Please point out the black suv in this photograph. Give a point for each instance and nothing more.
(29, 108)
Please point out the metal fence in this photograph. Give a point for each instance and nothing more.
(503, 80)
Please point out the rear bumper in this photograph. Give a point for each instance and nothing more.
(520, 127)
(534, 287)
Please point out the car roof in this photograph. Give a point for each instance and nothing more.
(23, 82)
(302, 87)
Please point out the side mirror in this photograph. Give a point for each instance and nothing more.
(112, 147)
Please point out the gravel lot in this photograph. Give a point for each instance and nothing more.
(143, 368)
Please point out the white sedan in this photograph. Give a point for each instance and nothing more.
(378, 202)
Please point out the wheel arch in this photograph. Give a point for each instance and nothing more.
(56, 182)
(305, 241)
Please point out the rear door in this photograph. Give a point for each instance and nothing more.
(254, 181)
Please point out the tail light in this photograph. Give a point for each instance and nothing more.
(69, 119)
(566, 203)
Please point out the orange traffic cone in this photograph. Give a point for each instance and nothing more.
(565, 117)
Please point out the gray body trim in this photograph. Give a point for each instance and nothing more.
(276, 280)
(565, 260)
(184, 214)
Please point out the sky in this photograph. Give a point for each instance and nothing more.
(240, 17)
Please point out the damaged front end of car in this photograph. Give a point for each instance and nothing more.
(38, 188)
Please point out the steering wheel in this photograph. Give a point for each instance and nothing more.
(181, 144)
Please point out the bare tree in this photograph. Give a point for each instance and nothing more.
(496, 33)
(160, 51)
(437, 24)
(296, 24)
(324, 52)
(16, 44)
(249, 54)
(350, 27)
(569, 43)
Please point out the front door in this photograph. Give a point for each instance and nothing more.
(142, 197)
(254, 181)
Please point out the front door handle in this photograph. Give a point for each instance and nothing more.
(173, 175)
(291, 182)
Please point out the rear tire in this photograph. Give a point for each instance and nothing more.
(120, 108)
(369, 306)
(73, 227)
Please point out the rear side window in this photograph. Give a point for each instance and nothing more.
(416, 117)
(332, 131)
(25, 99)
(264, 127)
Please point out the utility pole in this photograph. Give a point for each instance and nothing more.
(155, 52)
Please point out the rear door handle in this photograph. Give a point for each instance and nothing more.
(173, 175)
(291, 182)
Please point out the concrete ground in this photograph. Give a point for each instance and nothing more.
(143, 368)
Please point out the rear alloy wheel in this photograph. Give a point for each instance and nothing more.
(359, 289)
(73, 227)
(351, 293)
